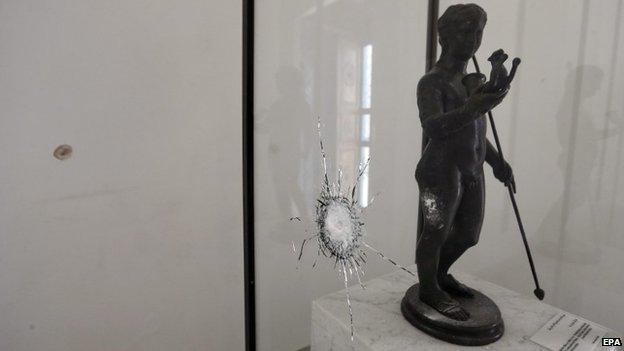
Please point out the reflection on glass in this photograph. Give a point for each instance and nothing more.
(365, 118)
(364, 154)
(365, 128)
(367, 75)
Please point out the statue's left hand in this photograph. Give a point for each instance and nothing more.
(504, 173)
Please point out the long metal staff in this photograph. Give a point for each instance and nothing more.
(539, 293)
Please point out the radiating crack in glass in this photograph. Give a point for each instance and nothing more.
(340, 229)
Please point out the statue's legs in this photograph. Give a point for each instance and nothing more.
(463, 235)
(439, 198)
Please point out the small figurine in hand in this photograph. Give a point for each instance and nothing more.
(499, 79)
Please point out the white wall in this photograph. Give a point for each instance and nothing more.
(309, 63)
(135, 242)
(562, 129)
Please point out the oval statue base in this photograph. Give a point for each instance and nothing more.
(484, 326)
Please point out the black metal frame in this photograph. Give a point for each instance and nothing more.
(248, 154)
(248, 175)
(432, 33)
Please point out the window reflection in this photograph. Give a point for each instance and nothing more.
(365, 128)
(354, 111)
(365, 119)
(367, 75)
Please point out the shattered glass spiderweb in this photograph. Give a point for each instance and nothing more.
(340, 229)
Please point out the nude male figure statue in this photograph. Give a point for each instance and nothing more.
(450, 172)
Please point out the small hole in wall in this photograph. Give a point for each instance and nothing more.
(63, 152)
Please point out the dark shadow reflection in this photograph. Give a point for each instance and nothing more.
(579, 139)
(580, 144)
(292, 146)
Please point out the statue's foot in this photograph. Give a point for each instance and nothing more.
(444, 304)
(449, 284)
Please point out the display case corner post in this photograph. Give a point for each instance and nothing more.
(248, 172)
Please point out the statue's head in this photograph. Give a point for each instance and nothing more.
(460, 29)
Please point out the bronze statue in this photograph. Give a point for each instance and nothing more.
(452, 106)
(450, 172)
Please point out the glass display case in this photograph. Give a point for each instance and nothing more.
(355, 66)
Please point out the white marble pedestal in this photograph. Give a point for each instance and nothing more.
(380, 326)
